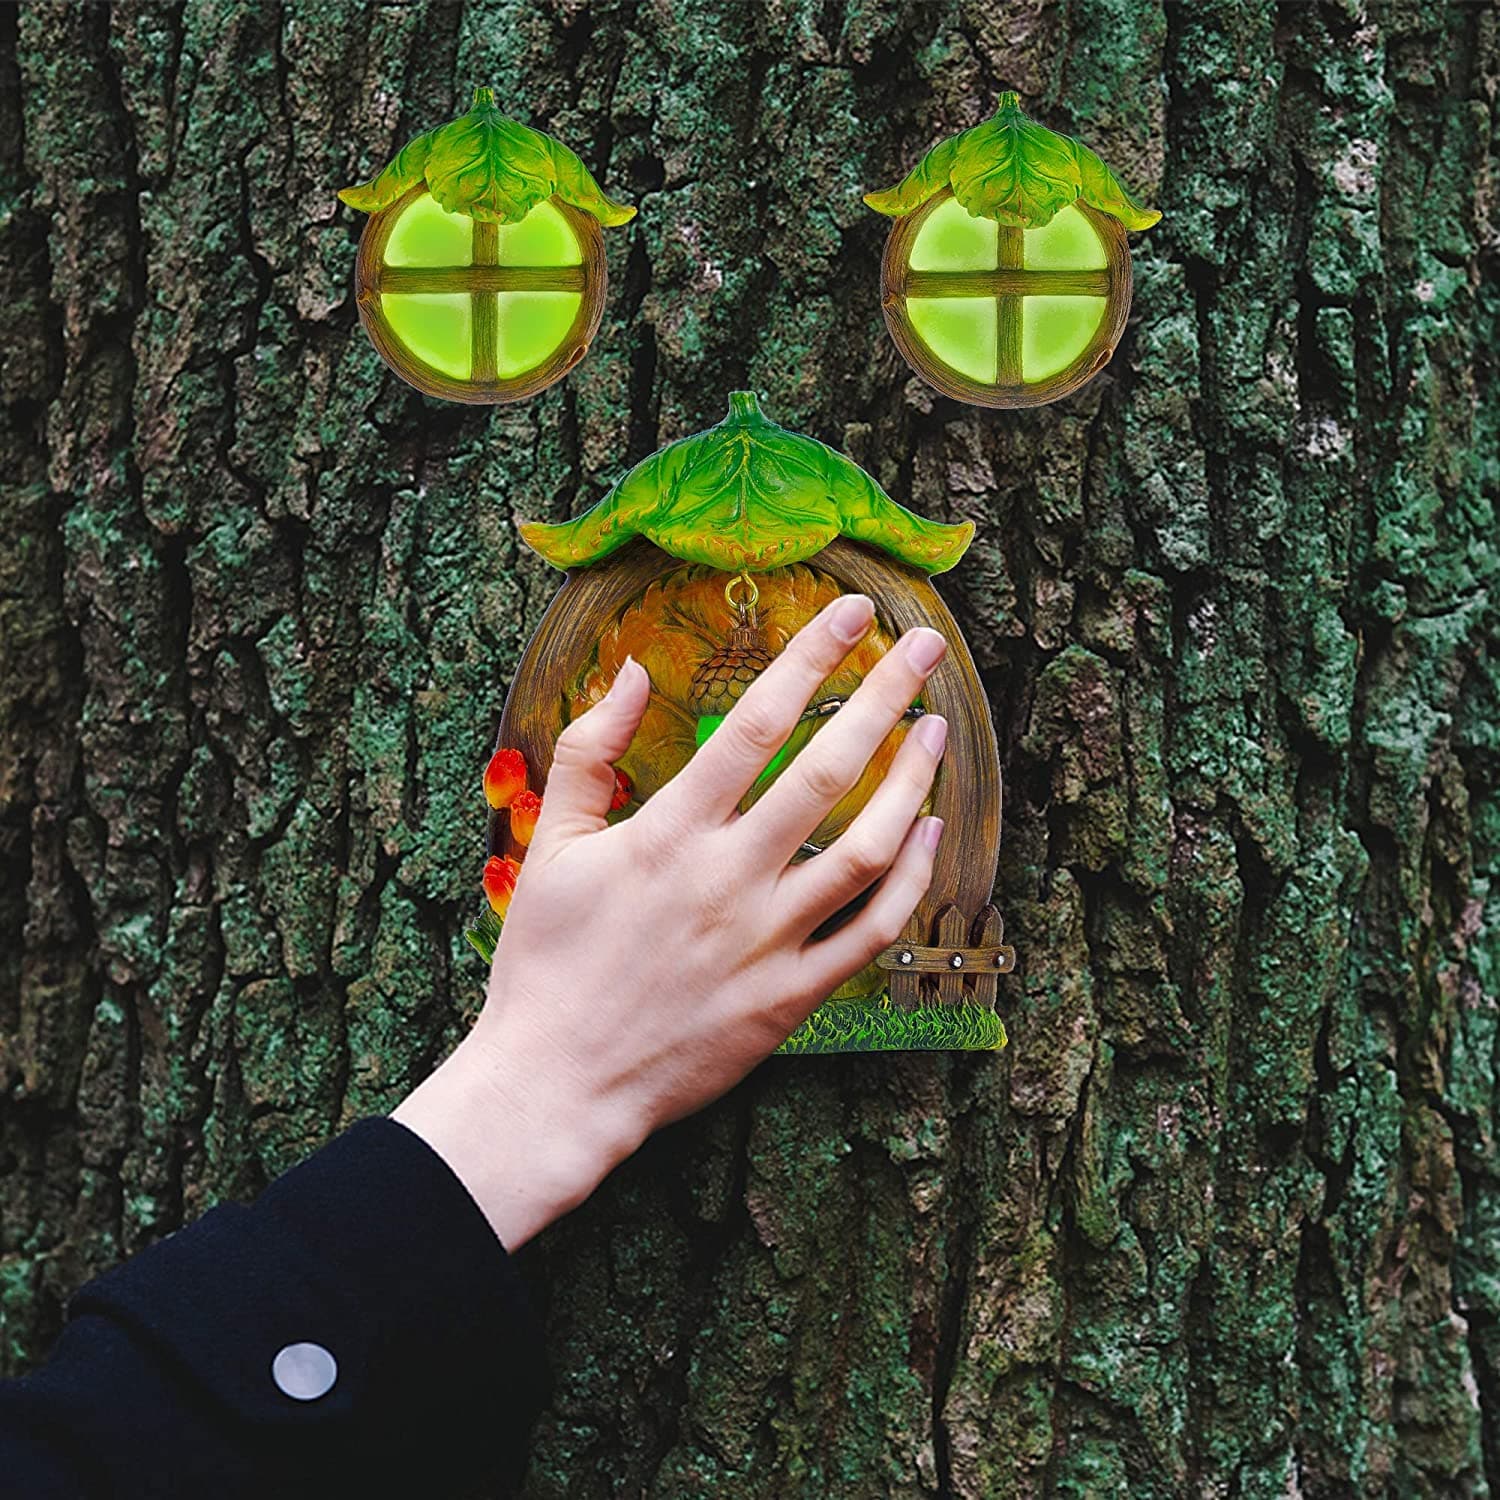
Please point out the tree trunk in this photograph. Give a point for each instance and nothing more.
(1225, 1218)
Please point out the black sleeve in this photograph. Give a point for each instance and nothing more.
(367, 1273)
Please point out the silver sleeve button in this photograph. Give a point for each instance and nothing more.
(304, 1371)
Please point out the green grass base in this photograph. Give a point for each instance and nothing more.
(878, 1026)
(853, 1025)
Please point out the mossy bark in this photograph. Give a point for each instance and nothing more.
(1225, 1218)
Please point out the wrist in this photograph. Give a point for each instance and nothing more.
(520, 1133)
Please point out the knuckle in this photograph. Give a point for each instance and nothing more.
(824, 778)
(756, 726)
(862, 859)
(573, 746)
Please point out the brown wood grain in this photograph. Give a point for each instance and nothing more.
(988, 934)
(927, 958)
(952, 932)
(1007, 281)
(481, 278)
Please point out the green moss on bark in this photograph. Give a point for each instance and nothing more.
(1223, 1218)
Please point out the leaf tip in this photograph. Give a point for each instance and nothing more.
(546, 542)
(956, 538)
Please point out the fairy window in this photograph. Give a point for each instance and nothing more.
(476, 311)
(1006, 278)
(1002, 316)
(481, 274)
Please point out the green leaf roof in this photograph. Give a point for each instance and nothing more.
(491, 168)
(748, 494)
(1016, 172)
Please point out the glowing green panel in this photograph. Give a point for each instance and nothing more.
(951, 239)
(426, 234)
(1068, 242)
(532, 325)
(542, 238)
(710, 722)
(960, 331)
(1055, 331)
(434, 326)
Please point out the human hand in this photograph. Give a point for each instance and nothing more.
(645, 967)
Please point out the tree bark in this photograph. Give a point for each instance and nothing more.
(1224, 1220)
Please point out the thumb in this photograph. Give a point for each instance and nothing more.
(581, 783)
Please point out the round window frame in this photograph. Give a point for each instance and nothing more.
(370, 279)
(895, 271)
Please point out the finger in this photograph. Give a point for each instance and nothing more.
(712, 783)
(817, 888)
(829, 961)
(581, 782)
(836, 756)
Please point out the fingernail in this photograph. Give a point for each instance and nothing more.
(931, 733)
(925, 648)
(850, 617)
(932, 831)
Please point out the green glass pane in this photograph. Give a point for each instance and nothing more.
(960, 331)
(1068, 242)
(542, 238)
(532, 325)
(426, 234)
(951, 239)
(1055, 331)
(434, 326)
